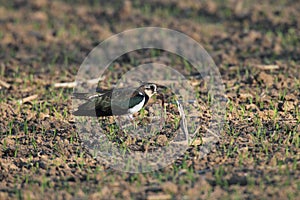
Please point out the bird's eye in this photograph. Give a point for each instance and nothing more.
(152, 87)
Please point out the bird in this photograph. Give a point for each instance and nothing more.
(118, 101)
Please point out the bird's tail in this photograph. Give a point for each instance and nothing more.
(86, 109)
(80, 96)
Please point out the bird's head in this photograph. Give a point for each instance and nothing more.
(150, 89)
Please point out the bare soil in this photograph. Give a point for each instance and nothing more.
(256, 46)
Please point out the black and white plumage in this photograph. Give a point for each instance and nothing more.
(120, 101)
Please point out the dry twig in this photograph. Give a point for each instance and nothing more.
(65, 85)
(4, 84)
(28, 99)
(267, 67)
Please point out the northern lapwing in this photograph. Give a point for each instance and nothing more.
(119, 101)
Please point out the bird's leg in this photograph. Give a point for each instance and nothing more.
(120, 122)
(163, 111)
(130, 117)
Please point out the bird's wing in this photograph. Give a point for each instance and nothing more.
(135, 100)
(87, 96)
(96, 104)
(110, 102)
(125, 98)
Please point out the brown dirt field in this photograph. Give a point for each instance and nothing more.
(256, 47)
